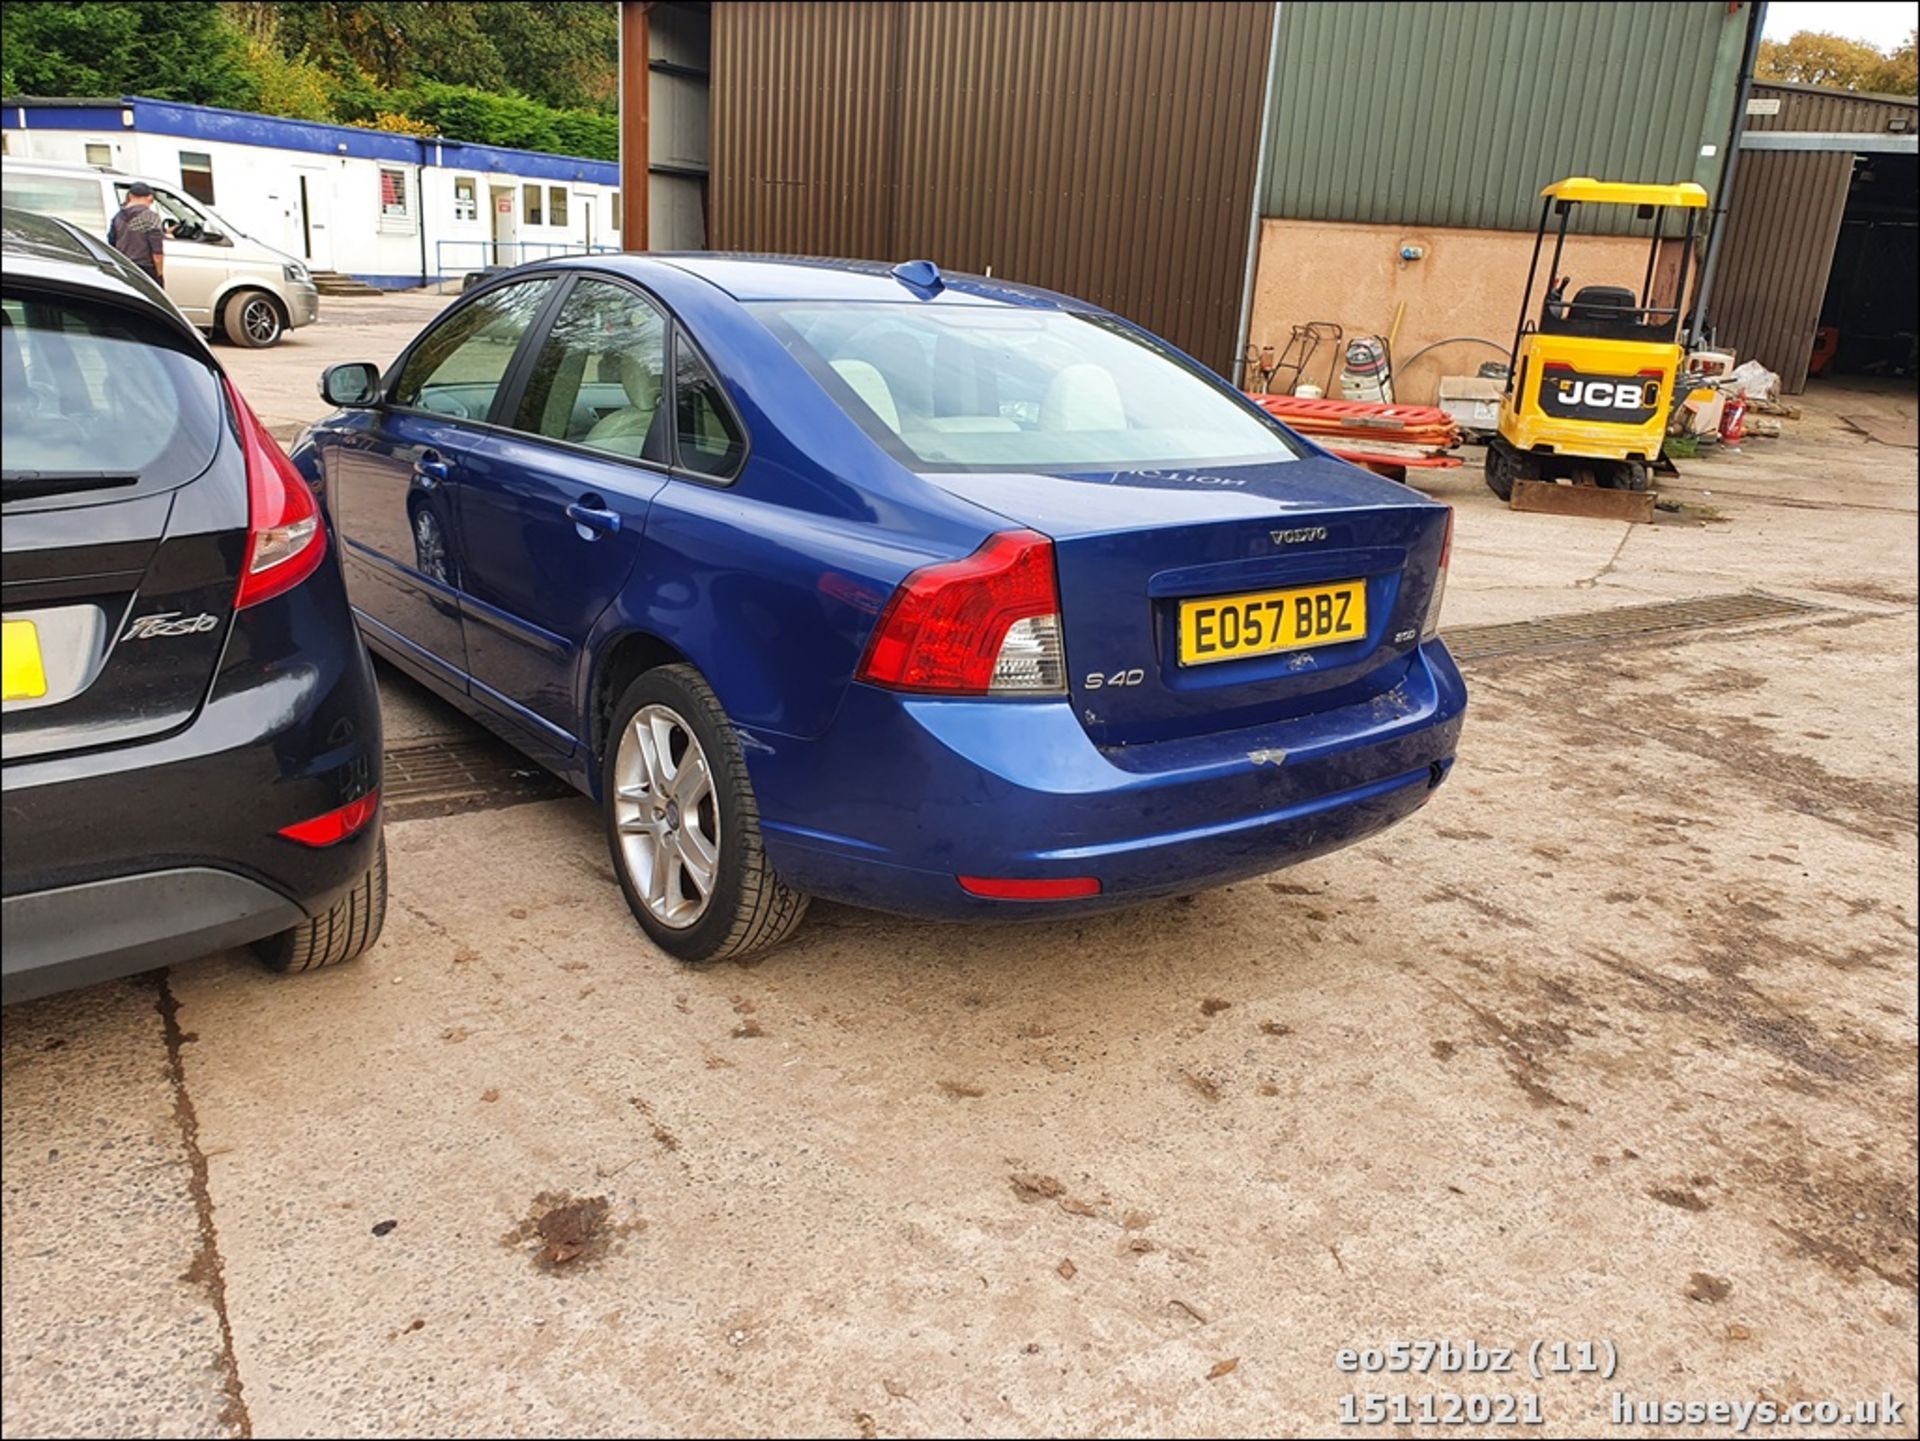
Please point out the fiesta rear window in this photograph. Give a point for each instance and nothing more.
(93, 388)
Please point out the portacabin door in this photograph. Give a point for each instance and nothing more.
(553, 510)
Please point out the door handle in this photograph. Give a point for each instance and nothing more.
(591, 520)
(430, 468)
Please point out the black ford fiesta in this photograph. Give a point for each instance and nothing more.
(191, 753)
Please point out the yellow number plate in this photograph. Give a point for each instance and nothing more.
(1230, 627)
(22, 674)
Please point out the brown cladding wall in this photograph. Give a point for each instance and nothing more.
(1782, 225)
(1105, 150)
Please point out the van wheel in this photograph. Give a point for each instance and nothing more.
(683, 826)
(339, 934)
(252, 318)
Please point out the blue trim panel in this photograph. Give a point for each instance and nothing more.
(238, 127)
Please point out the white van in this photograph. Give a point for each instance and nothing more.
(222, 280)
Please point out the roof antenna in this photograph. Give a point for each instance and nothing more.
(922, 276)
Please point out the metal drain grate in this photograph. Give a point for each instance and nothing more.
(1482, 642)
(440, 778)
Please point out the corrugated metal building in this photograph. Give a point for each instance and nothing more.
(1821, 231)
(1155, 157)
(1456, 114)
(1106, 150)
(1408, 144)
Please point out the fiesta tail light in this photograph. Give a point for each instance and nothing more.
(985, 625)
(285, 540)
(1431, 627)
(1008, 888)
(335, 825)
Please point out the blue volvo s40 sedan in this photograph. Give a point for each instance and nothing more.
(922, 592)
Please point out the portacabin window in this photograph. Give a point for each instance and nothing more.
(99, 153)
(466, 198)
(530, 198)
(396, 199)
(196, 175)
(556, 205)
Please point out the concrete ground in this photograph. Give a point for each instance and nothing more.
(1615, 1042)
(282, 384)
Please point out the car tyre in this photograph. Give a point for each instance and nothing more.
(668, 739)
(252, 319)
(343, 931)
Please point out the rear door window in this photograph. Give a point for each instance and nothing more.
(457, 367)
(99, 395)
(601, 374)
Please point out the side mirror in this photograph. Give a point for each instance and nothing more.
(213, 237)
(353, 385)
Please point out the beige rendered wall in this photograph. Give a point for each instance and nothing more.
(1468, 283)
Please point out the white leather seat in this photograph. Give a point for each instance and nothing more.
(625, 431)
(1083, 397)
(969, 424)
(865, 381)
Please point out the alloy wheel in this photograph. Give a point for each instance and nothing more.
(261, 321)
(667, 815)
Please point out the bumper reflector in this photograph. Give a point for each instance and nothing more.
(335, 826)
(1005, 888)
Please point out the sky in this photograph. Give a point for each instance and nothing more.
(1882, 23)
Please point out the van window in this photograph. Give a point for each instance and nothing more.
(73, 198)
(184, 219)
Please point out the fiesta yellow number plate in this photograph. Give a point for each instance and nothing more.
(23, 676)
(1232, 627)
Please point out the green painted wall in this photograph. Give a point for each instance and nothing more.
(1452, 113)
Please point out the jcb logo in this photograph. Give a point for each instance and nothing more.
(1609, 394)
(1567, 394)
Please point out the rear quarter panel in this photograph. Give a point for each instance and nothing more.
(770, 583)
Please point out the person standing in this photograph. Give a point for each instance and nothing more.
(139, 234)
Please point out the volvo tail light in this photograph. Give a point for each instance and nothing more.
(985, 625)
(1431, 627)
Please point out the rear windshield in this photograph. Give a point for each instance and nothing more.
(951, 387)
(95, 390)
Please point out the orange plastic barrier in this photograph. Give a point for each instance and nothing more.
(1369, 432)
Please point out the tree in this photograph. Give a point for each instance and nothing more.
(1814, 57)
(288, 84)
(1900, 73)
(169, 49)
